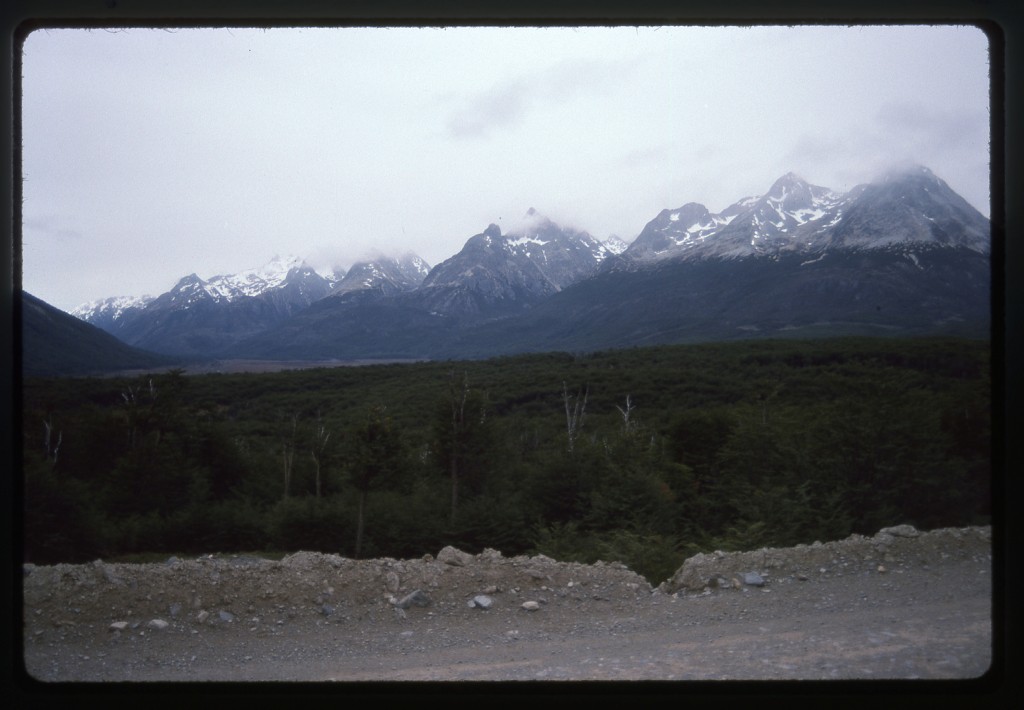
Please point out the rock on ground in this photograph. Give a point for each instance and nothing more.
(902, 603)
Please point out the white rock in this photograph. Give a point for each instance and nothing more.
(531, 606)
(753, 579)
(158, 624)
(451, 556)
(119, 626)
(901, 531)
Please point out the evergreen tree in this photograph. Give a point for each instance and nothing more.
(376, 460)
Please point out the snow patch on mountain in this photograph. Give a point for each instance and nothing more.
(113, 308)
(253, 282)
(909, 204)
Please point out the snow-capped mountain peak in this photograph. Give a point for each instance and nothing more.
(384, 274)
(255, 281)
(110, 309)
(614, 245)
(785, 217)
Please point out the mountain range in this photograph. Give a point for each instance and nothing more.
(902, 255)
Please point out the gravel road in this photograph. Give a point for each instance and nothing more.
(908, 616)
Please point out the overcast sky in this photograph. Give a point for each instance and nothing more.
(152, 154)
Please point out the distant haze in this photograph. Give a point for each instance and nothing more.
(150, 154)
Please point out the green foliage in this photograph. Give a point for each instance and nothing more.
(312, 524)
(376, 455)
(653, 556)
(60, 523)
(682, 448)
(464, 438)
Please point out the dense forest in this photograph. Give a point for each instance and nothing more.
(645, 455)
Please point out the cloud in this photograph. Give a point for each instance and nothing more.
(48, 226)
(510, 103)
(926, 125)
(949, 141)
(502, 106)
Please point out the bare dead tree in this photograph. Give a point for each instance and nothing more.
(575, 409)
(765, 399)
(457, 397)
(51, 449)
(288, 454)
(131, 405)
(627, 425)
(320, 438)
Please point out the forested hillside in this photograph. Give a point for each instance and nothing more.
(644, 455)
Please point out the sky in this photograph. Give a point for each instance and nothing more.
(151, 154)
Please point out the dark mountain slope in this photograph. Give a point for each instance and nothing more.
(55, 343)
(872, 292)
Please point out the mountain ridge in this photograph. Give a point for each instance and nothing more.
(529, 281)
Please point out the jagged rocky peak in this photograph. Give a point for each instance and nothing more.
(413, 264)
(792, 192)
(531, 221)
(191, 281)
(790, 189)
(908, 206)
(384, 274)
(107, 313)
(486, 240)
(615, 244)
(690, 213)
(788, 181)
(673, 230)
(534, 258)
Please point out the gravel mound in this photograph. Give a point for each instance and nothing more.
(859, 607)
(899, 545)
(309, 585)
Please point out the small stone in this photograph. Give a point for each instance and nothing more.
(226, 616)
(753, 579)
(881, 569)
(451, 556)
(202, 616)
(482, 601)
(118, 626)
(415, 598)
(158, 624)
(531, 606)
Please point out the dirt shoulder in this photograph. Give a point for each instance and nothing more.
(898, 605)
